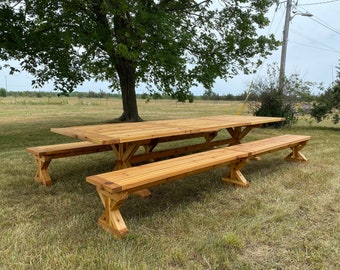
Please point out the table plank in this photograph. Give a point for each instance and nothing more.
(137, 131)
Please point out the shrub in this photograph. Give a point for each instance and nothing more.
(272, 104)
(3, 92)
(275, 102)
(328, 104)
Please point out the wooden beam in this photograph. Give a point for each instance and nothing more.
(235, 176)
(111, 220)
(178, 151)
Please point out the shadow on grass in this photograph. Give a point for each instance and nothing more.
(71, 197)
(172, 195)
(23, 135)
(70, 177)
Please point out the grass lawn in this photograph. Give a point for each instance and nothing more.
(287, 219)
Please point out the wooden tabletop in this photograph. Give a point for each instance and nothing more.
(137, 131)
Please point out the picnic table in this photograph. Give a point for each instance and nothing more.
(126, 138)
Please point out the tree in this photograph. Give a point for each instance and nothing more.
(209, 95)
(328, 103)
(167, 44)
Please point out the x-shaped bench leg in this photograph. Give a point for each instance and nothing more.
(296, 155)
(42, 175)
(235, 176)
(111, 220)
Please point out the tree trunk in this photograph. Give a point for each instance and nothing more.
(126, 72)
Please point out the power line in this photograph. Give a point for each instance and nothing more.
(271, 22)
(280, 21)
(314, 47)
(323, 23)
(326, 25)
(314, 41)
(319, 3)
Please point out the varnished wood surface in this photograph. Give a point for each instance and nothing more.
(139, 131)
(150, 174)
(114, 187)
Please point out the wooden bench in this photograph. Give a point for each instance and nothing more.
(273, 144)
(44, 154)
(114, 187)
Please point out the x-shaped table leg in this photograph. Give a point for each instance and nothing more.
(238, 133)
(123, 153)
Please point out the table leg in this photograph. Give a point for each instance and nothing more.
(123, 153)
(238, 133)
(148, 148)
(210, 136)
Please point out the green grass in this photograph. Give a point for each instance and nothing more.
(287, 219)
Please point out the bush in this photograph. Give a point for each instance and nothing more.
(3, 92)
(275, 102)
(272, 104)
(328, 105)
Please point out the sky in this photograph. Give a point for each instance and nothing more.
(313, 51)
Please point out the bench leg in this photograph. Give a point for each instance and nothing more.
(42, 176)
(235, 176)
(296, 155)
(111, 220)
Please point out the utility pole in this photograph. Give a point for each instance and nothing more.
(285, 42)
(284, 46)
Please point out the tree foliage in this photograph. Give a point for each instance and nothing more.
(169, 45)
(273, 102)
(328, 104)
(3, 92)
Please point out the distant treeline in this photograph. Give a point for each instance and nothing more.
(40, 94)
(208, 95)
(102, 94)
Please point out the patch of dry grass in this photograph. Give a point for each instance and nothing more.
(287, 219)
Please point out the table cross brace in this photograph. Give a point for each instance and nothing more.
(238, 133)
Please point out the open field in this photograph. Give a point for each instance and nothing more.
(289, 217)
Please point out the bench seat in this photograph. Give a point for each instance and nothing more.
(266, 146)
(44, 154)
(114, 187)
